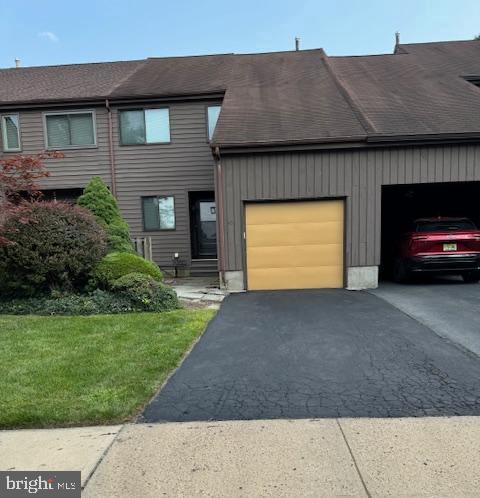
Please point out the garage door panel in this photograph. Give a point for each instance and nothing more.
(295, 245)
(303, 212)
(293, 256)
(280, 234)
(295, 278)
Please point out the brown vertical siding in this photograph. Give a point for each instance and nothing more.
(356, 174)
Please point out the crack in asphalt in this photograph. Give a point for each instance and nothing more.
(323, 353)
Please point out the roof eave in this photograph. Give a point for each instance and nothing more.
(282, 145)
(23, 104)
(426, 137)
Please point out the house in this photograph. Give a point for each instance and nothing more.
(281, 170)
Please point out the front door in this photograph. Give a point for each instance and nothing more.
(203, 214)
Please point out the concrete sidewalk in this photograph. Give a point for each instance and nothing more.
(407, 457)
(78, 448)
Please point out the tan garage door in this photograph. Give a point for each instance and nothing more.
(295, 245)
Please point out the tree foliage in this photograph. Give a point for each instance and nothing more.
(19, 176)
(99, 200)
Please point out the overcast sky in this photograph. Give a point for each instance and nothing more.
(60, 31)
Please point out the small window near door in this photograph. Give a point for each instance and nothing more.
(158, 213)
(212, 117)
(11, 133)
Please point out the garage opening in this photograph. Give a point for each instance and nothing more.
(402, 204)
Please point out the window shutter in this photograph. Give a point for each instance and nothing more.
(132, 127)
(151, 215)
(11, 133)
(157, 124)
(58, 134)
(81, 129)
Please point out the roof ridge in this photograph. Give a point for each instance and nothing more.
(366, 124)
(440, 42)
(159, 58)
(359, 56)
(21, 68)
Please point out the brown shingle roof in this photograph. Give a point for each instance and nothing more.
(288, 97)
(460, 58)
(402, 95)
(63, 83)
(177, 76)
(284, 97)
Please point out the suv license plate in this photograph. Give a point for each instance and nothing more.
(449, 247)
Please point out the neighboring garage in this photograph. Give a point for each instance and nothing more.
(402, 204)
(313, 219)
(295, 245)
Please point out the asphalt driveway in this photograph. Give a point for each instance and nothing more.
(318, 353)
(444, 304)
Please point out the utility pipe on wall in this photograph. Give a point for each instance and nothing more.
(219, 202)
(111, 151)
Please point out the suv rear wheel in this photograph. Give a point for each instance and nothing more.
(400, 271)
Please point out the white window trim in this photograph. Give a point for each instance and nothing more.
(63, 113)
(4, 134)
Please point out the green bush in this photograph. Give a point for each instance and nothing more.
(145, 292)
(117, 264)
(119, 237)
(132, 293)
(99, 200)
(97, 302)
(55, 246)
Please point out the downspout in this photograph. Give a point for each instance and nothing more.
(220, 204)
(111, 151)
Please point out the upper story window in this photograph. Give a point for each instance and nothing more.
(11, 133)
(65, 130)
(213, 112)
(145, 126)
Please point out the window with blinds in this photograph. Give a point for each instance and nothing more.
(158, 213)
(75, 129)
(145, 126)
(11, 133)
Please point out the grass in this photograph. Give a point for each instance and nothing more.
(83, 370)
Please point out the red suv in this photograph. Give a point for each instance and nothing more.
(439, 245)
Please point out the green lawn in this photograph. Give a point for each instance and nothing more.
(61, 371)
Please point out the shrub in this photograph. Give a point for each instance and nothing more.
(99, 200)
(95, 303)
(146, 293)
(117, 264)
(119, 237)
(54, 246)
